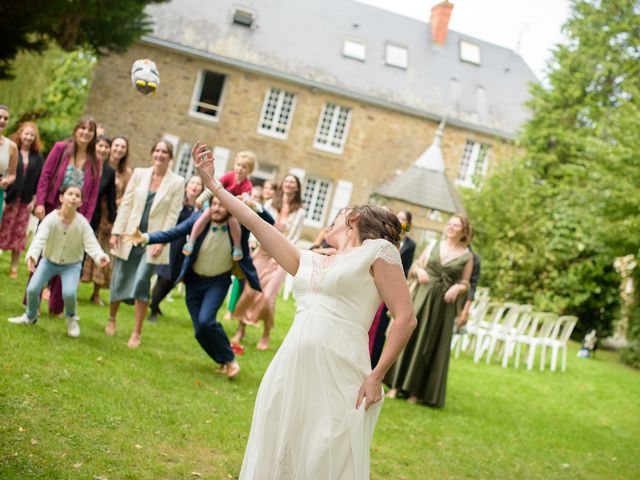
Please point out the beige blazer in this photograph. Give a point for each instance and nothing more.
(164, 212)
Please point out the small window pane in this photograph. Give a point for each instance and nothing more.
(397, 56)
(242, 17)
(469, 52)
(277, 112)
(333, 128)
(354, 49)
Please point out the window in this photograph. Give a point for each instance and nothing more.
(262, 173)
(184, 165)
(469, 52)
(396, 56)
(354, 49)
(277, 113)
(243, 18)
(435, 215)
(315, 199)
(207, 96)
(473, 165)
(332, 128)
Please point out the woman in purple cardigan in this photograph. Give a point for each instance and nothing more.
(70, 161)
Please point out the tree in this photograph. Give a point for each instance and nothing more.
(550, 224)
(51, 89)
(101, 25)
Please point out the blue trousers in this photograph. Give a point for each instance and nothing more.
(70, 276)
(204, 296)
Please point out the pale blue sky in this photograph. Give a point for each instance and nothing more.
(532, 27)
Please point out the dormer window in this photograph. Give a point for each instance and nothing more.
(396, 56)
(469, 52)
(243, 18)
(354, 49)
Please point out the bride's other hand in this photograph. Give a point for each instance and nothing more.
(370, 392)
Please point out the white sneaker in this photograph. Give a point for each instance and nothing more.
(73, 329)
(22, 320)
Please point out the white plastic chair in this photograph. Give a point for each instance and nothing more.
(494, 314)
(538, 332)
(558, 340)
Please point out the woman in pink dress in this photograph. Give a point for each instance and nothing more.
(21, 195)
(253, 306)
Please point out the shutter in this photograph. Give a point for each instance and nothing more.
(298, 172)
(221, 156)
(341, 198)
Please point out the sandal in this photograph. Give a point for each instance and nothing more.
(236, 254)
(110, 329)
(134, 341)
(263, 344)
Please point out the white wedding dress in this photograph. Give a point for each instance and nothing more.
(305, 424)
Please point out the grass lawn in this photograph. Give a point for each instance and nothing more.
(93, 409)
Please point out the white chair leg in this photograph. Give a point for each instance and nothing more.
(505, 353)
(543, 357)
(531, 357)
(554, 358)
(517, 363)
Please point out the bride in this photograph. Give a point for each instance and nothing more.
(319, 400)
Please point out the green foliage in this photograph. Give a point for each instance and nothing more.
(100, 25)
(51, 89)
(550, 225)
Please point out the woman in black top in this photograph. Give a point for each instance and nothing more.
(20, 196)
(102, 221)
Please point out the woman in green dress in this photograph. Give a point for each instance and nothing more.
(441, 275)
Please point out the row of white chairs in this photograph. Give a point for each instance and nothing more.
(508, 328)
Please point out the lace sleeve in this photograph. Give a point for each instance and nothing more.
(389, 253)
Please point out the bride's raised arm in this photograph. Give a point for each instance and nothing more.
(284, 252)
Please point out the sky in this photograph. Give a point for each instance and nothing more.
(531, 27)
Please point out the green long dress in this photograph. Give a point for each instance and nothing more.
(421, 369)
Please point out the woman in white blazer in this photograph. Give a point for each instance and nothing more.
(151, 202)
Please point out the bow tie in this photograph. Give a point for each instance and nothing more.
(222, 228)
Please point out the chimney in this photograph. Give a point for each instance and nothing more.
(440, 15)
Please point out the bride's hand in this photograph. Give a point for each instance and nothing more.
(370, 392)
(203, 161)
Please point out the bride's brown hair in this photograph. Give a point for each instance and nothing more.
(375, 222)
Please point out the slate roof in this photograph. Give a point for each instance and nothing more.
(423, 187)
(302, 41)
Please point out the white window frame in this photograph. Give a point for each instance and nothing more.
(311, 205)
(276, 121)
(327, 145)
(197, 92)
(355, 49)
(470, 52)
(467, 169)
(391, 52)
(264, 172)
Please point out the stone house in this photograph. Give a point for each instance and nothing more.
(345, 95)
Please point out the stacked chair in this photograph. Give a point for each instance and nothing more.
(505, 328)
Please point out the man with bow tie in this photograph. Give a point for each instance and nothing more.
(207, 275)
